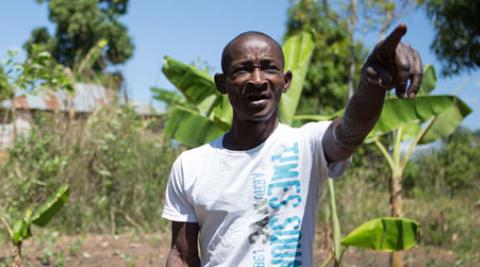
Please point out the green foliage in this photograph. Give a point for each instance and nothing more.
(336, 235)
(444, 113)
(45, 213)
(456, 28)
(168, 97)
(448, 110)
(115, 162)
(190, 128)
(195, 85)
(41, 216)
(80, 25)
(195, 107)
(37, 72)
(298, 51)
(452, 169)
(20, 231)
(441, 115)
(325, 90)
(429, 81)
(386, 234)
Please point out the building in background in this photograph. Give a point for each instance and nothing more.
(86, 99)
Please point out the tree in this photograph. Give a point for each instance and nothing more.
(325, 89)
(339, 53)
(456, 42)
(80, 26)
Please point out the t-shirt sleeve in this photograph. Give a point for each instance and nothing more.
(177, 206)
(315, 132)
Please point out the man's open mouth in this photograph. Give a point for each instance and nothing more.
(257, 97)
(257, 101)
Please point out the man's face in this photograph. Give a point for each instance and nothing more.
(254, 78)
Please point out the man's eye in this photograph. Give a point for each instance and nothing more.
(271, 68)
(239, 71)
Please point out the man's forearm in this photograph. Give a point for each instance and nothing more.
(347, 133)
(175, 259)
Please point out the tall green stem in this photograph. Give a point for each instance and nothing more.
(418, 138)
(385, 154)
(337, 250)
(398, 134)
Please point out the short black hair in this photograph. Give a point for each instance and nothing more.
(226, 57)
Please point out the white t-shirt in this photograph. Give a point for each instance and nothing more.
(255, 207)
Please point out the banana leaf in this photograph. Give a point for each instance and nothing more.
(190, 128)
(448, 110)
(20, 231)
(223, 113)
(385, 234)
(168, 97)
(207, 105)
(43, 214)
(446, 122)
(304, 118)
(298, 52)
(429, 81)
(195, 85)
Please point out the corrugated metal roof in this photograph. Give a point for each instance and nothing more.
(86, 99)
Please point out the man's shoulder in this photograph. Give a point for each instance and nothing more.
(316, 126)
(308, 130)
(200, 153)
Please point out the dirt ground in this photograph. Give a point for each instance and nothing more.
(150, 250)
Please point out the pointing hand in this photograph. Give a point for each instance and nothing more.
(393, 64)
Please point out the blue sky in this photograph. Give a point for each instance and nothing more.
(197, 31)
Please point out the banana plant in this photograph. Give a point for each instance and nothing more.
(409, 122)
(41, 216)
(388, 234)
(200, 114)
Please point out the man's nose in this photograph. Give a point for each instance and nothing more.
(257, 78)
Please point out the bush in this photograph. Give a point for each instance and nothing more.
(451, 169)
(115, 162)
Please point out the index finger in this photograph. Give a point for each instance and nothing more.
(393, 39)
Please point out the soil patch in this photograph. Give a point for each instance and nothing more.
(151, 250)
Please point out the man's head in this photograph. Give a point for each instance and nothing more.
(253, 77)
(227, 56)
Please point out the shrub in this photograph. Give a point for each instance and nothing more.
(116, 163)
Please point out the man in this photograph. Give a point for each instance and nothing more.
(249, 198)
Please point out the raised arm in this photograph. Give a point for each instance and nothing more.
(390, 65)
(184, 248)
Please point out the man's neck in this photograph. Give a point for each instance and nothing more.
(245, 135)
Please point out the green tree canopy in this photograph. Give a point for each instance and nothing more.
(80, 26)
(325, 89)
(457, 33)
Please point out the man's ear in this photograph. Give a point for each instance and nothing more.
(220, 83)
(287, 76)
